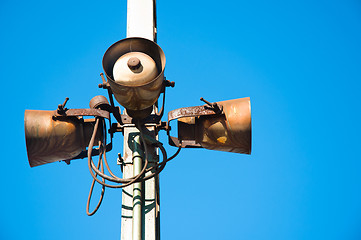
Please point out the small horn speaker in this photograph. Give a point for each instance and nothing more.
(228, 131)
(50, 139)
(134, 68)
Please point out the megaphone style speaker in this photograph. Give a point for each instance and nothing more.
(228, 130)
(50, 139)
(134, 68)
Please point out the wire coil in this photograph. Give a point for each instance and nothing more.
(98, 170)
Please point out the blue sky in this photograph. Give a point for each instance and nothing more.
(299, 61)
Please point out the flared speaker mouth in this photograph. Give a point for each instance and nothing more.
(50, 139)
(134, 68)
(133, 45)
(225, 128)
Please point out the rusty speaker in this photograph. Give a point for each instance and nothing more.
(227, 128)
(134, 68)
(50, 139)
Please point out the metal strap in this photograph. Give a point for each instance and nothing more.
(83, 112)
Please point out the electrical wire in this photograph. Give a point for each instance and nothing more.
(160, 166)
(91, 166)
(100, 164)
(126, 182)
(99, 169)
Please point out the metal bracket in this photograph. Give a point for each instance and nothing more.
(82, 112)
(84, 154)
(208, 109)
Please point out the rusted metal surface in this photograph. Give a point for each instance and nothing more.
(187, 132)
(135, 97)
(186, 128)
(50, 140)
(95, 152)
(228, 131)
(100, 102)
(186, 137)
(175, 142)
(83, 112)
(213, 106)
(189, 112)
(140, 114)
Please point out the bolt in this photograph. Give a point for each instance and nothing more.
(61, 107)
(169, 83)
(120, 160)
(66, 100)
(214, 106)
(208, 103)
(134, 63)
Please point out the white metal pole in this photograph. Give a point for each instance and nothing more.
(141, 22)
(141, 19)
(137, 189)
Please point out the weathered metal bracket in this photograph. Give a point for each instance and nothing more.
(82, 112)
(126, 119)
(190, 112)
(173, 141)
(95, 152)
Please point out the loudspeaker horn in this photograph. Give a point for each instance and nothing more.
(134, 68)
(50, 139)
(223, 126)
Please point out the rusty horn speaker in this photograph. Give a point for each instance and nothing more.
(223, 126)
(50, 139)
(134, 68)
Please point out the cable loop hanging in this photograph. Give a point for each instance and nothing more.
(98, 170)
(100, 164)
